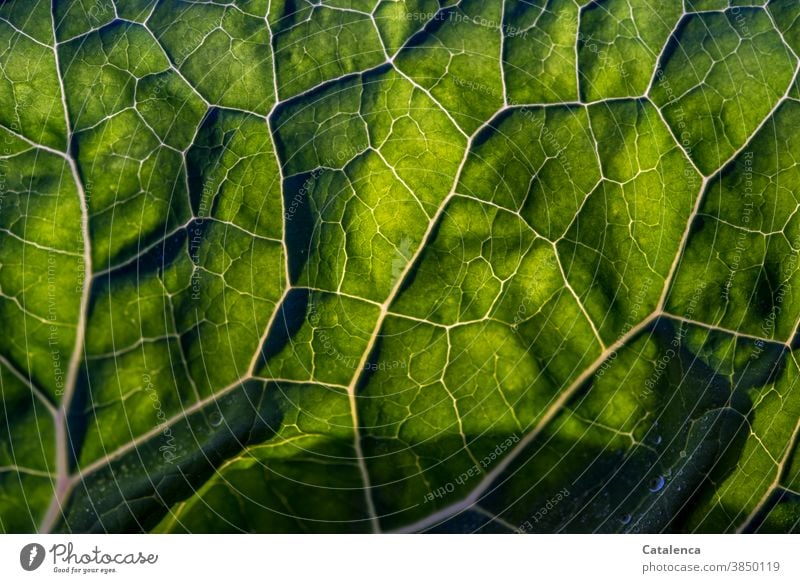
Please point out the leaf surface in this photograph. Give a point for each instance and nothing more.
(366, 265)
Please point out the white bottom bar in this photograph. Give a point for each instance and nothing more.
(401, 558)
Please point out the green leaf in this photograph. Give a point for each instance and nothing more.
(376, 265)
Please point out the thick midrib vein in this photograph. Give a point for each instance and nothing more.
(61, 422)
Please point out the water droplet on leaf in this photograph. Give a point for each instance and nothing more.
(656, 484)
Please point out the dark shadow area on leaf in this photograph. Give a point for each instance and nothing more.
(371, 366)
(431, 27)
(205, 155)
(673, 45)
(582, 41)
(287, 110)
(134, 492)
(288, 321)
(77, 419)
(472, 522)
(300, 222)
(154, 261)
(293, 13)
(159, 257)
(766, 298)
(490, 129)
